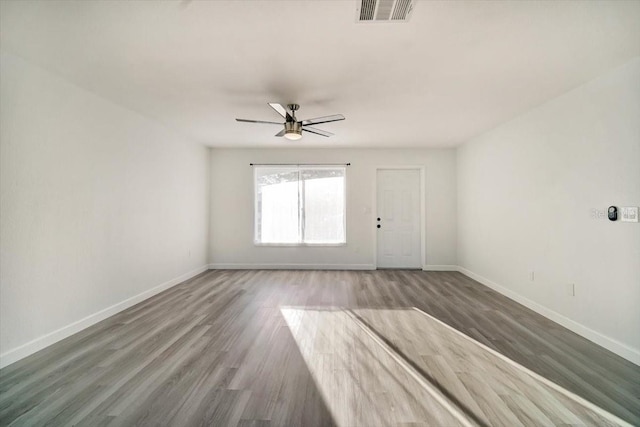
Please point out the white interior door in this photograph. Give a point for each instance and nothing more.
(398, 218)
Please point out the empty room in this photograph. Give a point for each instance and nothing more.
(319, 213)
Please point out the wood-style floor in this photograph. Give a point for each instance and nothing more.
(306, 348)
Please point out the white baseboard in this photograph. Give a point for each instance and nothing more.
(39, 343)
(439, 267)
(622, 350)
(240, 266)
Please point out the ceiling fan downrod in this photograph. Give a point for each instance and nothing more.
(293, 108)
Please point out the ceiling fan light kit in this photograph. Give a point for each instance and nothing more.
(292, 127)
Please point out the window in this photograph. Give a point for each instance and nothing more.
(300, 205)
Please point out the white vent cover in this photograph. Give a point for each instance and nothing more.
(384, 10)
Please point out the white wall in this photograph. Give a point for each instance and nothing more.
(526, 191)
(231, 226)
(98, 205)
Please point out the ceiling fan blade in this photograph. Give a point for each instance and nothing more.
(317, 131)
(258, 121)
(325, 119)
(281, 133)
(280, 109)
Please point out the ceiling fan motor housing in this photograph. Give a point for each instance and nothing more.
(291, 129)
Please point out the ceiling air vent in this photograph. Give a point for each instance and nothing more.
(384, 10)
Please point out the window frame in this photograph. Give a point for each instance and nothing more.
(299, 169)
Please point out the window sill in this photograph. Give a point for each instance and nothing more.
(300, 244)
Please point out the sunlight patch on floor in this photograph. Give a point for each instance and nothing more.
(392, 366)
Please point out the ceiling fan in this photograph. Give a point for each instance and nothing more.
(292, 127)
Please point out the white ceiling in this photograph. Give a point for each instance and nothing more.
(455, 70)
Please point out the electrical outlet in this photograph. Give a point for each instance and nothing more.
(629, 214)
(571, 289)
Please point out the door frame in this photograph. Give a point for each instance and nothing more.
(423, 242)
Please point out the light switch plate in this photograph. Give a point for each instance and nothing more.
(629, 214)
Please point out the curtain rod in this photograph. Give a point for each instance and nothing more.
(299, 164)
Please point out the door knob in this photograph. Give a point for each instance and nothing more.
(378, 219)
(378, 226)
